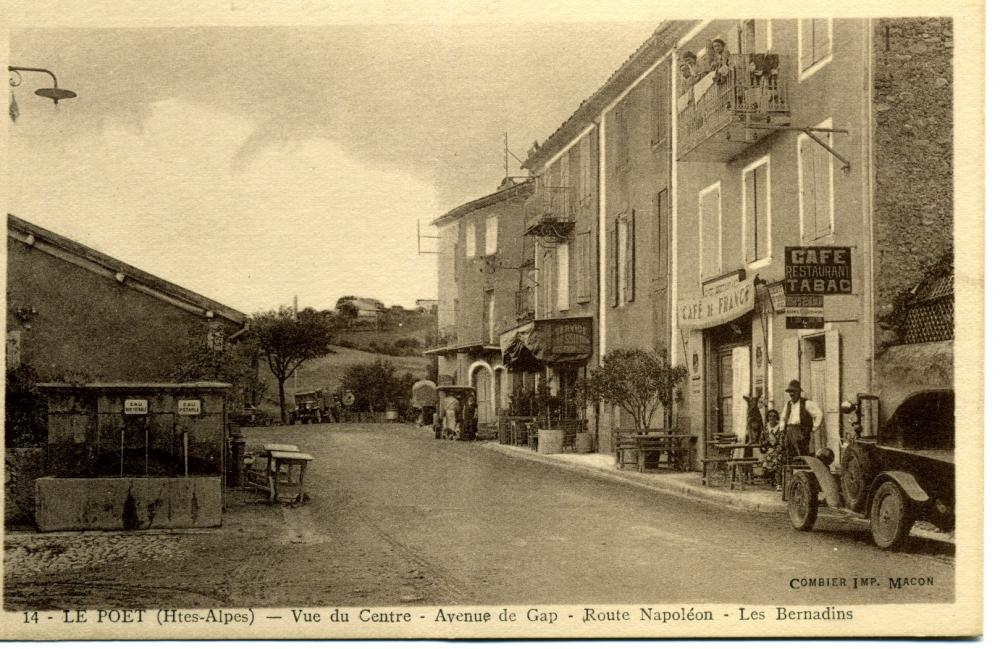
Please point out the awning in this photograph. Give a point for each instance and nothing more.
(549, 342)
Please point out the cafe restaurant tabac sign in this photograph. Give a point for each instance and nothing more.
(818, 270)
(718, 308)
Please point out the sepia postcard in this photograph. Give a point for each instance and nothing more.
(574, 320)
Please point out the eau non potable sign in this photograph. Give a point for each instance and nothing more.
(818, 270)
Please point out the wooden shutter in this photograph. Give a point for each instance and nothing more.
(807, 189)
(805, 43)
(831, 400)
(562, 277)
(630, 258)
(789, 365)
(821, 38)
(582, 252)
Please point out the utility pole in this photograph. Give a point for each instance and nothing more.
(295, 373)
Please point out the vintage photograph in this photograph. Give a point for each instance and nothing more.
(507, 329)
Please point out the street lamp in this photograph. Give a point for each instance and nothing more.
(55, 93)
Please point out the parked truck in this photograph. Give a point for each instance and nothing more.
(315, 406)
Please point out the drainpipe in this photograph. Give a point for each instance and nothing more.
(868, 209)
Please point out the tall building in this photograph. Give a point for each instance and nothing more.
(798, 145)
(480, 261)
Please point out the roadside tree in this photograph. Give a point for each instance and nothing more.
(287, 340)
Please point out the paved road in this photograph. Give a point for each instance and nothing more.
(398, 517)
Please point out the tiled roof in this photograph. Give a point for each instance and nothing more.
(663, 39)
(98, 259)
(519, 190)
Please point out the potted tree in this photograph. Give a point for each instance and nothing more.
(636, 381)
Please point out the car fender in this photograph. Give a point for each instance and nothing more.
(827, 483)
(907, 483)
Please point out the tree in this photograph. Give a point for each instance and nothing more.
(670, 378)
(234, 363)
(287, 340)
(375, 385)
(635, 380)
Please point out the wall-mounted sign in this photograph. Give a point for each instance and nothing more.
(136, 406)
(818, 270)
(189, 406)
(724, 283)
(804, 312)
(712, 310)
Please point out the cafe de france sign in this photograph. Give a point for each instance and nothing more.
(712, 310)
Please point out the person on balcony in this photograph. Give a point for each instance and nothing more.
(719, 60)
(689, 68)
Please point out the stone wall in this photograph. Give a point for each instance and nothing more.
(913, 152)
(22, 466)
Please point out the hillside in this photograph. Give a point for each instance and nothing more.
(327, 372)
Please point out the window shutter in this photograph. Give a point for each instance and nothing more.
(805, 44)
(789, 361)
(630, 260)
(562, 277)
(821, 38)
(613, 266)
(831, 400)
(823, 163)
(582, 252)
(807, 192)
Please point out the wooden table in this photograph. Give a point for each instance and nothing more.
(676, 446)
(734, 464)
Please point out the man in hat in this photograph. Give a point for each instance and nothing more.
(799, 418)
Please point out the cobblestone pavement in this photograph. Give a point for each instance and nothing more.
(396, 517)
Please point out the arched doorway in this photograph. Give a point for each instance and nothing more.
(482, 380)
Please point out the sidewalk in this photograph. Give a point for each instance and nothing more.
(684, 485)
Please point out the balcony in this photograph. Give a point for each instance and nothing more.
(550, 213)
(719, 116)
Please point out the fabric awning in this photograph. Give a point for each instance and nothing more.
(549, 342)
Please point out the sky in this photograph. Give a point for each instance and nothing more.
(254, 164)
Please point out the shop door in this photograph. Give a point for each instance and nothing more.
(724, 404)
(484, 394)
(740, 388)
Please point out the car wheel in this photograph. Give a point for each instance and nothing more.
(891, 515)
(856, 475)
(803, 501)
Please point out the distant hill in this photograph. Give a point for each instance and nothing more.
(327, 372)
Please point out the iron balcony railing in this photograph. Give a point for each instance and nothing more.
(751, 90)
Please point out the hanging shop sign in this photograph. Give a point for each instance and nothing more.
(818, 270)
(719, 308)
(803, 312)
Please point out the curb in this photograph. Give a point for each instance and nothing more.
(701, 495)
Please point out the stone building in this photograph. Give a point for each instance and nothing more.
(808, 140)
(74, 313)
(480, 261)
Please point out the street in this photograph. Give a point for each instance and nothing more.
(397, 517)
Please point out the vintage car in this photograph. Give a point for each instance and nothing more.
(315, 406)
(892, 474)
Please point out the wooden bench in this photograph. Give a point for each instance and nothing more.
(626, 450)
